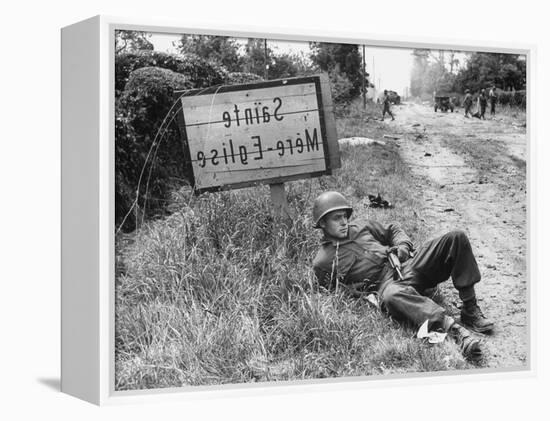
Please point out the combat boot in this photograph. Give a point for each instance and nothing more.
(472, 317)
(468, 344)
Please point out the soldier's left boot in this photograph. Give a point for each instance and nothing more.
(469, 345)
(472, 317)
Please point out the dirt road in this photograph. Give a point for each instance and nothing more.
(473, 177)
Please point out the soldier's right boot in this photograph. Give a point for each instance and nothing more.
(472, 317)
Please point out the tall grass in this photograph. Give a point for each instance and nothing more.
(222, 292)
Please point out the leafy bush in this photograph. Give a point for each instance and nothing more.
(343, 63)
(145, 82)
(513, 98)
(342, 89)
(198, 71)
(235, 78)
(143, 155)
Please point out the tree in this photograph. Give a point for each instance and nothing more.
(221, 50)
(341, 60)
(257, 56)
(288, 65)
(506, 71)
(513, 73)
(132, 41)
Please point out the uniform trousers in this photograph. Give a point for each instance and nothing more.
(386, 110)
(447, 256)
(493, 103)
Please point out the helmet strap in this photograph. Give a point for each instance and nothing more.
(335, 265)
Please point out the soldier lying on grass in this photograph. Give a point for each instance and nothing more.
(356, 258)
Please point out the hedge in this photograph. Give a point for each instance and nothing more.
(145, 85)
(513, 98)
(235, 78)
(140, 111)
(199, 72)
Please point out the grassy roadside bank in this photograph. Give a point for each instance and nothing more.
(219, 292)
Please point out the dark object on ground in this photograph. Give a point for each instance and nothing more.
(379, 202)
(443, 103)
(468, 344)
(427, 154)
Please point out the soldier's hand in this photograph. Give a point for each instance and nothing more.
(356, 290)
(402, 252)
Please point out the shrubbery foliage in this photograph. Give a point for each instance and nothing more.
(440, 72)
(149, 158)
(200, 72)
(235, 78)
(145, 82)
(343, 63)
(513, 98)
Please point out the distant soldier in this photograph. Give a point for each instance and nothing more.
(467, 104)
(386, 105)
(482, 104)
(493, 99)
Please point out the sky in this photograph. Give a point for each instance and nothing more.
(389, 68)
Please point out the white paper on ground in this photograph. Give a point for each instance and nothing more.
(373, 299)
(360, 141)
(433, 337)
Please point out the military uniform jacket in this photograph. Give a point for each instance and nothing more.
(361, 257)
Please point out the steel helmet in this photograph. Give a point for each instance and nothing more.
(328, 202)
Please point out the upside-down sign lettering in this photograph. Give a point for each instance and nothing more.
(268, 132)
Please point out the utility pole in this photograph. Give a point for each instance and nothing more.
(374, 78)
(266, 66)
(364, 77)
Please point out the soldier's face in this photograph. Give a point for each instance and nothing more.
(335, 224)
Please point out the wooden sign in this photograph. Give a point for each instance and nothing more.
(268, 132)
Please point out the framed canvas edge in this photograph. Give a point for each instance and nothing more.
(107, 393)
(197, 393)
(321, 34)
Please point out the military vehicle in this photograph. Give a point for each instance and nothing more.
(394, 97)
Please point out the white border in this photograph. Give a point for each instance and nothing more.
(106, 215)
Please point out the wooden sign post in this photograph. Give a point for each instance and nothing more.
(278, 197)
(268, 132)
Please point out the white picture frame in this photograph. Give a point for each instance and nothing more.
(88, 212)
